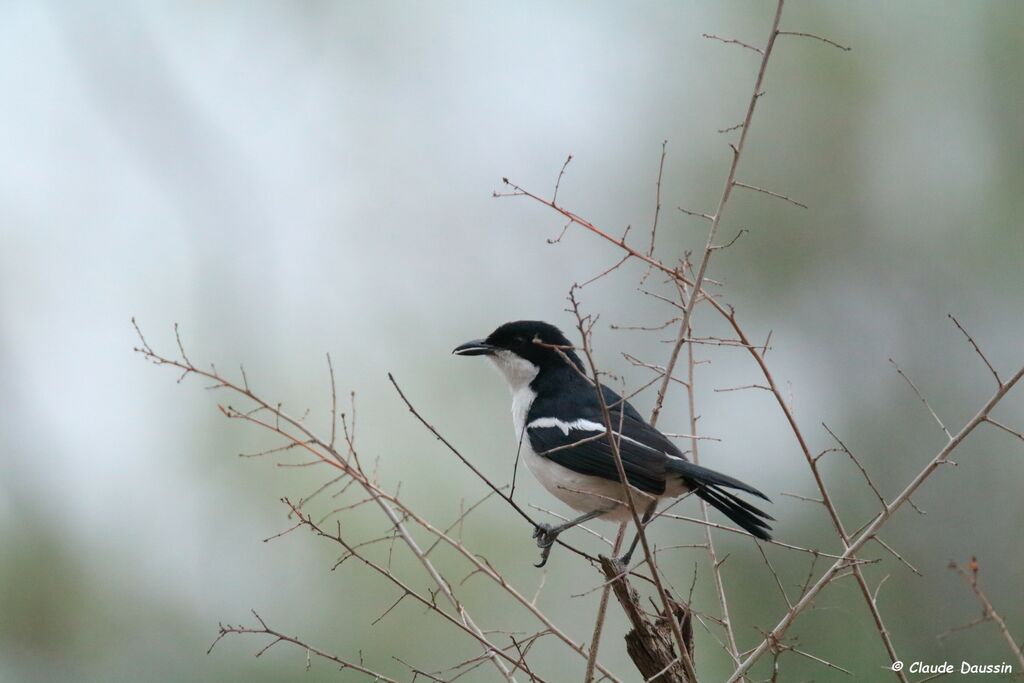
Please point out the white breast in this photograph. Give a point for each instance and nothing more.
(518, 372)
(579, 491)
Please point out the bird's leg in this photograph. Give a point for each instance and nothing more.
(648, 513)
(546, 534)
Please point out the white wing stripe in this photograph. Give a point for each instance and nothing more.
(587, 426)
(581, 424)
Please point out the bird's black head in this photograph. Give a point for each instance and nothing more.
(540, 343)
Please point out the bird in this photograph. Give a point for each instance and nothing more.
(562, 437)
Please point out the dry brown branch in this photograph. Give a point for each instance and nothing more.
(561, 173)
(472, 468)
(923, 400)
(429, 602)
(264, 630)
(819, 481)
(833, 43)
(679, 274)
(602, 605)
(698, 214)
(1000, 425)
(395, 511)
(651, 645)
(988, 612)
(716, 219)
(660, 645)
(783, 197)
(733, 41)
(657, 197)
(863, 471)
(874, 527)
(584, 325)
(716, 564)
(977, 349)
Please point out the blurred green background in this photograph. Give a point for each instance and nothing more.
(290, 179)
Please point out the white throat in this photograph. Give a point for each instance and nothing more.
(518, 372)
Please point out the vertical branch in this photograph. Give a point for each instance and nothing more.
(657, 198)
(716, 218)
(716, 568)
(602, 610)
(668, 608)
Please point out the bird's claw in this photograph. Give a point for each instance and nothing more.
(545, 536)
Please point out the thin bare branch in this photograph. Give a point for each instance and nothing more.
(1000, 425)
(733, 41)
(875, 526)
(696, 214)
(263, 629)
(833, 43)
(895, 554)
(334, 402)
(716, 566)
(730, 182)
(584, 325)
(864, 472)
(657, 198)
(770, 193)
(977, 349)
(558, 182)
(602, 605)
(923, 399)
(989, 612)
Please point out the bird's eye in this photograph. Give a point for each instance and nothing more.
(519, 340)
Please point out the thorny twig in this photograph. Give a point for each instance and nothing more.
(584, 326)
(988, 612)
(393, 508)
(264, 629)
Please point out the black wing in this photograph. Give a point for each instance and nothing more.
(648, 457)
(582, 445)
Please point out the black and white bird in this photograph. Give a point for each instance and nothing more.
(559, 427)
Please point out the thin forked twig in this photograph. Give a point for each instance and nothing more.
(874, 527)
(730, 182)
(989, 612)
(263, 629)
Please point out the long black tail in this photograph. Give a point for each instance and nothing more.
(710, 486)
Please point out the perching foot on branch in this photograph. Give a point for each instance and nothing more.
(545, 535)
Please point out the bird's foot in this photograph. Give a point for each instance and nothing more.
(545, 535)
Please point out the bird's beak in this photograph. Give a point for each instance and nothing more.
(477, 347)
